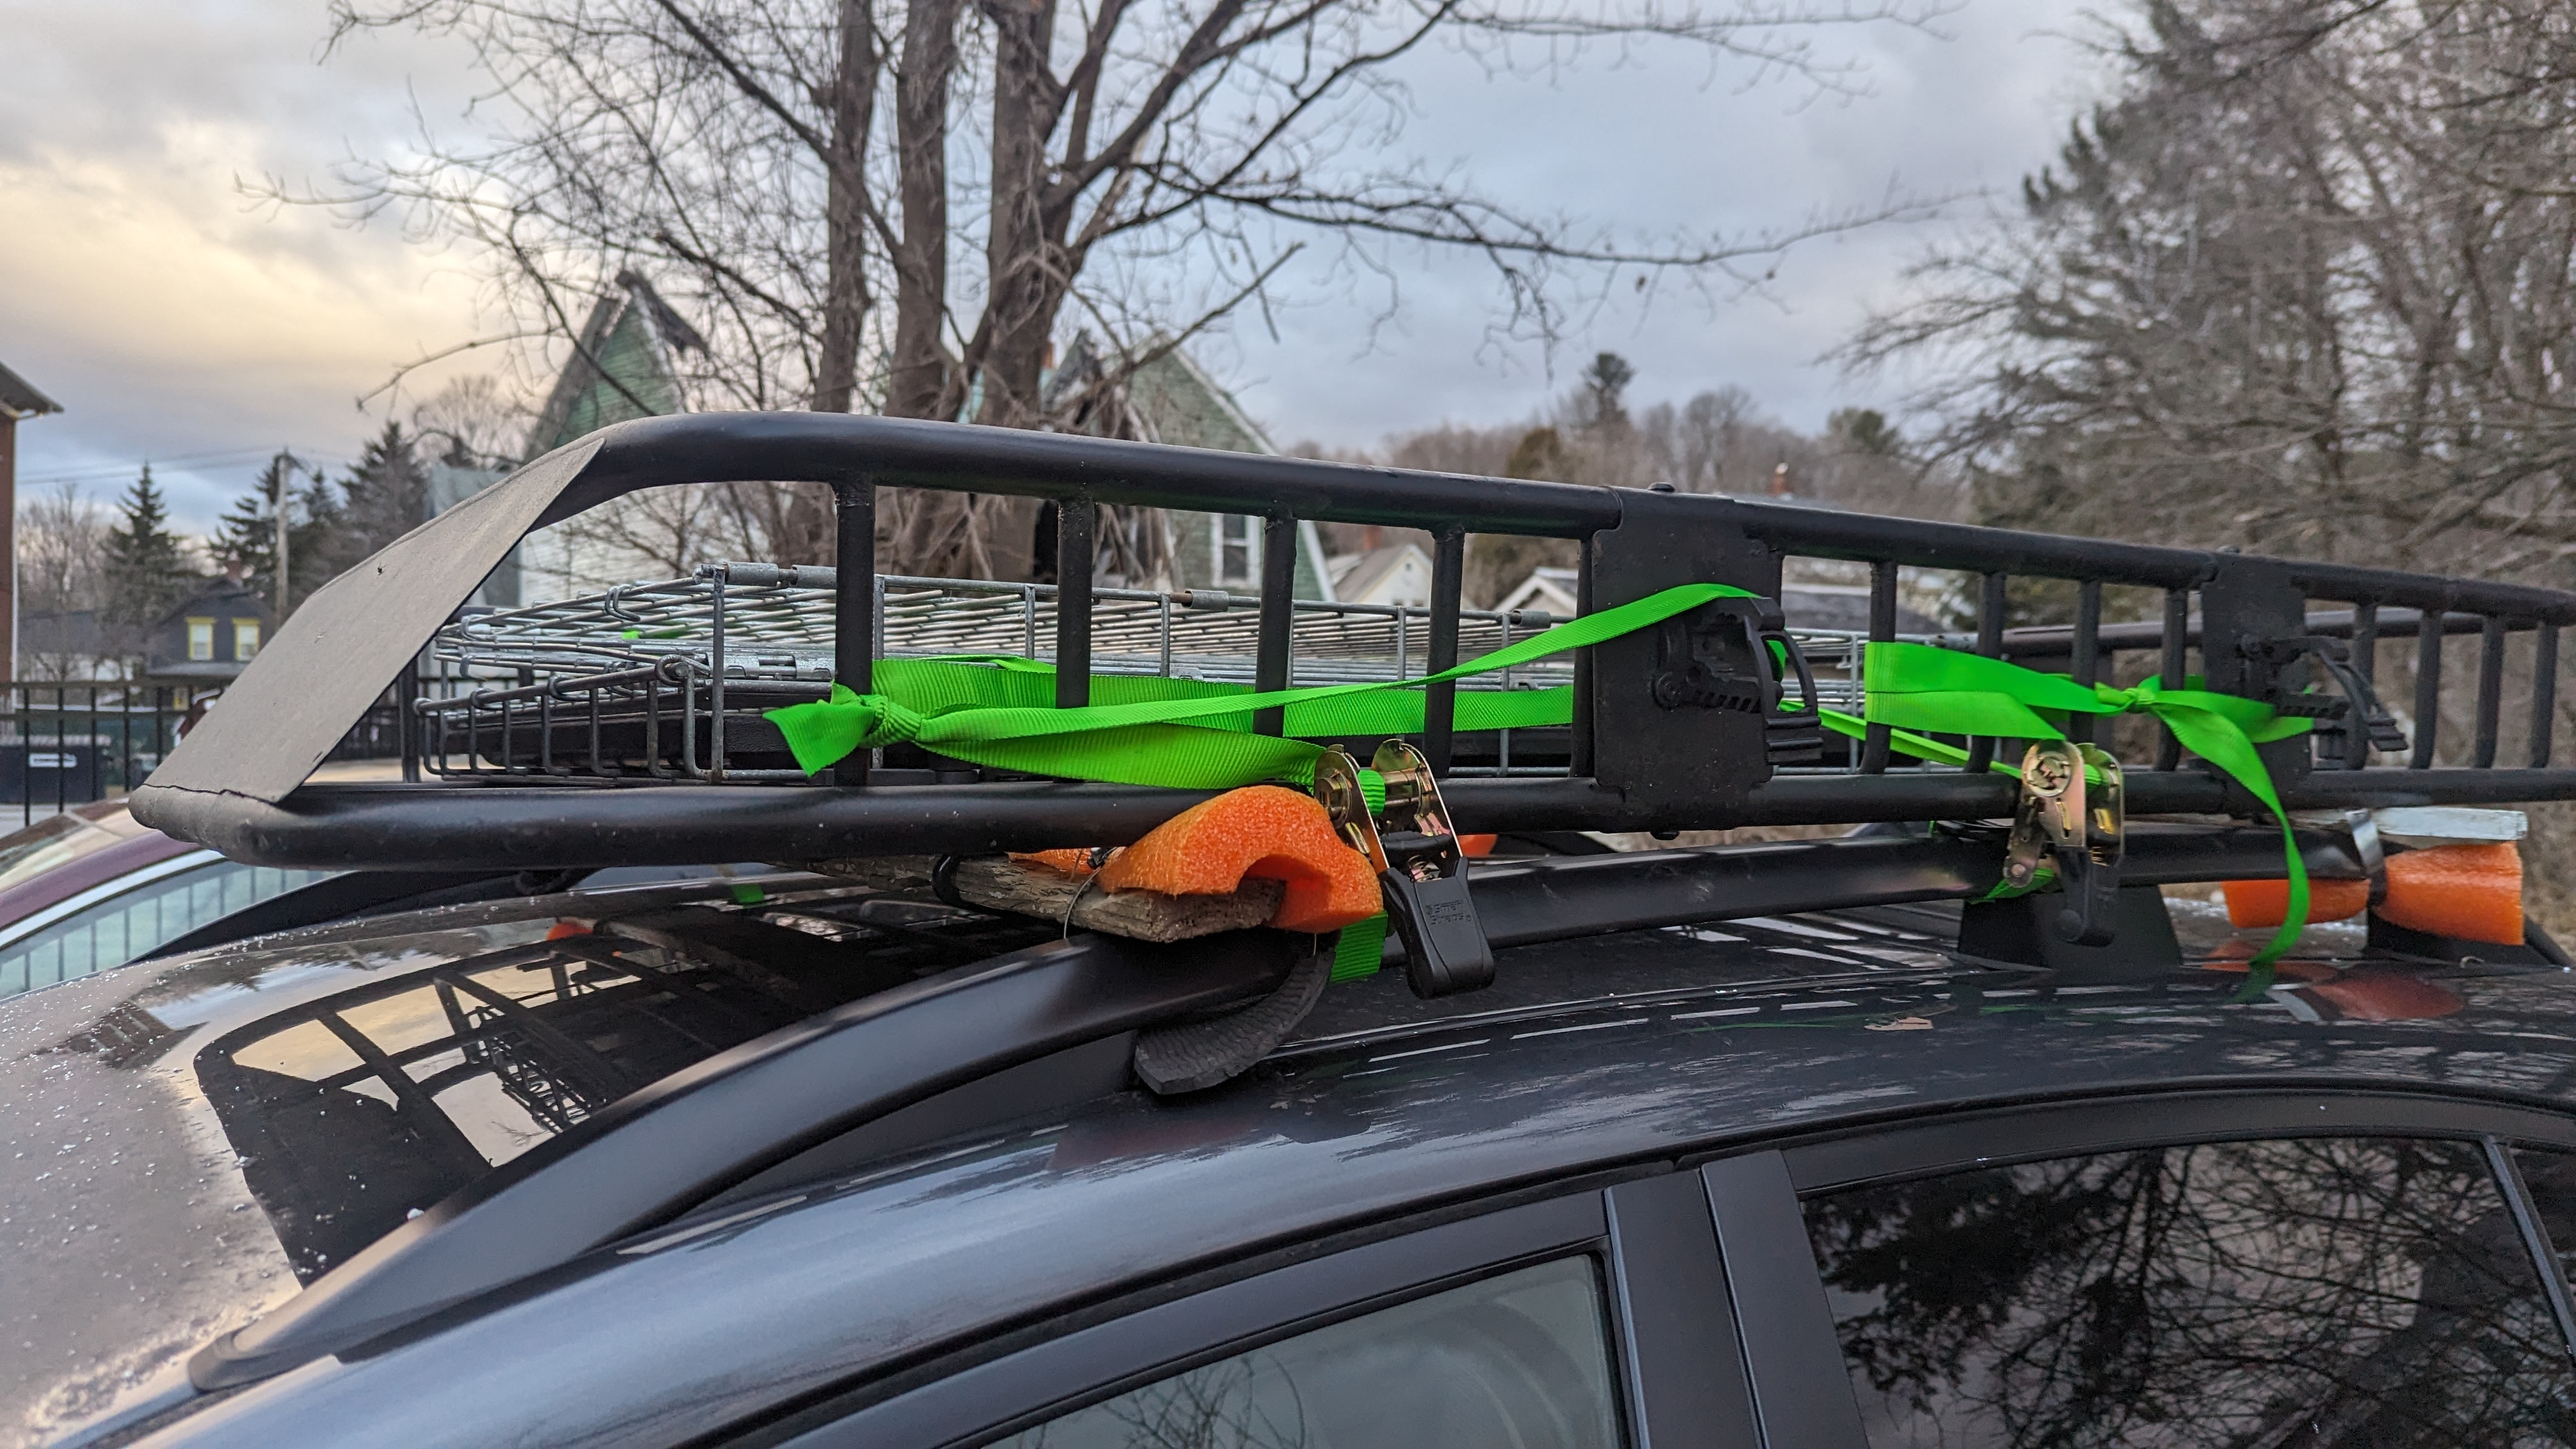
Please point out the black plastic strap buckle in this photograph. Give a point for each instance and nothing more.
(1736, 654)
(1421, 872)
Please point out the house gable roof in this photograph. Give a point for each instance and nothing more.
(19, 398)
(620, 368)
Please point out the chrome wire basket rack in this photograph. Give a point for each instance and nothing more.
(671, 679)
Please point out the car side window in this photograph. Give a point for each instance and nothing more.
(2325, 1291)
(1519, 1359)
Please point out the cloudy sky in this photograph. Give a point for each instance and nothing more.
(178, 322)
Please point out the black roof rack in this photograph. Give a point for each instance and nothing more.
(1674, 760)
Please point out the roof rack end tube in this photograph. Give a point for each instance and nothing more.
(1993, 600)
(2173, 667)
(2428, 694)
(1270, 668)
(2544, 693)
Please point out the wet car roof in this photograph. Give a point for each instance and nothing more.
(1585, 1056)
(156, 1196)
(1580, 1058)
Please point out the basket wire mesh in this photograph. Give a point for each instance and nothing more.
(669, 679)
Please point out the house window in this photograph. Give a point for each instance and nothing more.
(245, 638)
(201, 638)
(1238, 548)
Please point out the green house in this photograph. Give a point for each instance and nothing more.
(1169, 398)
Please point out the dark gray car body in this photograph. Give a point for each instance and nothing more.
(1619, 1059)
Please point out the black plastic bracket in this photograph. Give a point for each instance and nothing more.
(1681, 767)
(1738, 654)
(2335, 713)
(2248, 601)
(2023, 931)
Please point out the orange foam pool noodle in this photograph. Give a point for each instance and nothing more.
(1264, 831)
(2465, 892)
(2267, 902)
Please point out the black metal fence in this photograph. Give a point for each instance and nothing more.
(69, 742)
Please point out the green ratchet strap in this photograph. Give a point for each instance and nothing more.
(1196, 735)
(998, 710)
(1184, 734)
(1917, 687)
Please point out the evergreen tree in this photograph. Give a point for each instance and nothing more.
(147, 564)
(384, 497)
(1605, 392)
(247, 535)
(388, 492)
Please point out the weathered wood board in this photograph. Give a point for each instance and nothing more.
(1027, 888)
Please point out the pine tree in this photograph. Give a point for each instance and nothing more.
(246, 536)
(384, 497)
(388, 492)
(147, 564)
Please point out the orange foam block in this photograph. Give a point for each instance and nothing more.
(2267, 902)
(2465, 892)
(1263, 831)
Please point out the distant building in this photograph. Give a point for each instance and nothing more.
(1548, 589)
(1398, 573)
(18, 399)
(1843, 607)
(70, 645)
(1170, 399)
(206, 640)
(201, 644)
(623, 367)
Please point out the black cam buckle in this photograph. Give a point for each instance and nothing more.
(1734, 654)
(2081, 825)
(1421, 872)
(2298, 699)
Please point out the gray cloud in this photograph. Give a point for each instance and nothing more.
(176, 321)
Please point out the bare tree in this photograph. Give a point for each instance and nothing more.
(2308, 283)
(732, 150)
(472, 422)
(62, 550)
(2305, 283)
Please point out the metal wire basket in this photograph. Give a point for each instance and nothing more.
(671, 679)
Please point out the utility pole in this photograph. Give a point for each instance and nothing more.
(286, 469)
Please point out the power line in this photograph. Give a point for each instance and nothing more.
(184, 462)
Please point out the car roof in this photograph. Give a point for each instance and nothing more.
(1592, 1056)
